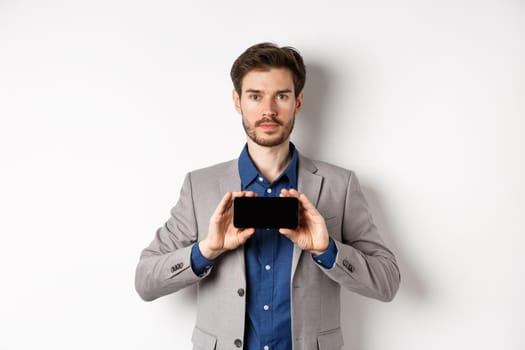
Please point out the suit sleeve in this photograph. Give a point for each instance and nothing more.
(165, 265)
(363, 263)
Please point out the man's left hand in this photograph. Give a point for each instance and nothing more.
(311, 234)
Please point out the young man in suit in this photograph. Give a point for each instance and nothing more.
(269, 289)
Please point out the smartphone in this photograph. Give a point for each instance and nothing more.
(266, 212)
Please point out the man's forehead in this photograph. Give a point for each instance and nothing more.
(268, 79)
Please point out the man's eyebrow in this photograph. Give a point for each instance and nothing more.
(255, 91)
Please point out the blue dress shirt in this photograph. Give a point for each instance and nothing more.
(268, 256)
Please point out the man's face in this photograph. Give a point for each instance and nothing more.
(268, 105)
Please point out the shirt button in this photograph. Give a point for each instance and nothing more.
(238, 343)
(266, 307)
(267, 267)
(266, 347)
(240, 291)
(269, 190)
(260, 179)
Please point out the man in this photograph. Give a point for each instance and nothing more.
(259, 288)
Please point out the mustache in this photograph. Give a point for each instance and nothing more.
(266, 120)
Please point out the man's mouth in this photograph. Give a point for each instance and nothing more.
(268, 126)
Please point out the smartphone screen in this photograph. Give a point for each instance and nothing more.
(266, 212)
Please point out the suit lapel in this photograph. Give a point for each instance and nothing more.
(309, 183)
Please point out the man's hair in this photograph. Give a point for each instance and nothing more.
(264, 56)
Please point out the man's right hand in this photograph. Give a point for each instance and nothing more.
(222, 235)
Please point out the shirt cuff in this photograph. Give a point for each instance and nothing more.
(199, 264)
(327, 259)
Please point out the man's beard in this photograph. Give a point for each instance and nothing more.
(261, 141)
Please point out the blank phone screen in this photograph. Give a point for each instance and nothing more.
(265, 212)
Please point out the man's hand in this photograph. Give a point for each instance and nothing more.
(311, 234)
(222, 235)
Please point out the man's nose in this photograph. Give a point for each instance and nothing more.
(269, 108)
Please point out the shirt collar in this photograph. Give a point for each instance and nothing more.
(248, 172)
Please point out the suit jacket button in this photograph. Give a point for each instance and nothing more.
(348, 265)
(240, 291)
(177, 267)
(238, 343)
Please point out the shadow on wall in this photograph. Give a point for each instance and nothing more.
(309, 124)
(411, 283)
(354, 308)
(310, 137)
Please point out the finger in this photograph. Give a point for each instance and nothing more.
(294, 193)
(243, 194)
(223, 204)
(237, 194)
(305, 202)
(288, 193)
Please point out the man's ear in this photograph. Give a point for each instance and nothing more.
(236, 101)
(299, 102)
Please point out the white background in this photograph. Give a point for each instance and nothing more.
(105, 105)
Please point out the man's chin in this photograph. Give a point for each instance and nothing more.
(269, 141)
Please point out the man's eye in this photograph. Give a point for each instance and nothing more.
(254, 97)
(282, 97)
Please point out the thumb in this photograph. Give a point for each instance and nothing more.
(246, 233)
(291, 234)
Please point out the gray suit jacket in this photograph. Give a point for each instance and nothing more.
(363, 264)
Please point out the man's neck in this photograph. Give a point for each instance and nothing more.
(270, 161)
